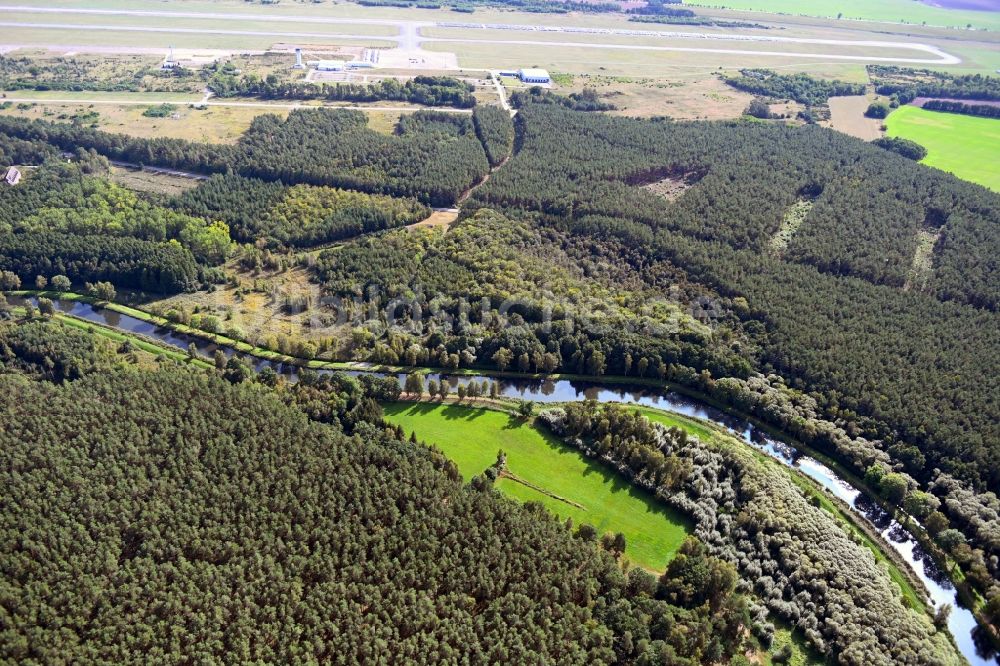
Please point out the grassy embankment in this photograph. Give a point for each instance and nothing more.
(966, 146)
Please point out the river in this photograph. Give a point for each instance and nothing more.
(961, 622)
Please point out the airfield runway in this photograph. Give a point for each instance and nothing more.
(409, 38)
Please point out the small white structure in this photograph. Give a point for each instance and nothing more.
(330, 65)
(298, 60)
(13, 176)
(533, 75)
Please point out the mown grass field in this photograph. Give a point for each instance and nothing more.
(966, 146)
(472, 436)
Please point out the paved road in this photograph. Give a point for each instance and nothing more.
(409, 37)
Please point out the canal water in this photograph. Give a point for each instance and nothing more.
(962, 623)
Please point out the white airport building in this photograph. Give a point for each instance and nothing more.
(330, 65)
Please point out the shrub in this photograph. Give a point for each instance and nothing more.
(877, 110)
(905, 147)
(759, 109)
(159, 111)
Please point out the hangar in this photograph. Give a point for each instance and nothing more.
(534, 75)
(330, 65)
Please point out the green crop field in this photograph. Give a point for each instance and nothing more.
(966, 146)
(895, 11)
(472, 436)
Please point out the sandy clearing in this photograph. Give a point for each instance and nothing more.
(440, 218)
(847, 115)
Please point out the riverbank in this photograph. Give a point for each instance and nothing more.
(141, 343)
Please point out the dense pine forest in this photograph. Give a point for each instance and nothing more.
(905, 84)
(434, 157)
(127, 527)
(985, 110)
(855, 247)
(495, 129)
(472, 275)
(265, 212)
(867, 329)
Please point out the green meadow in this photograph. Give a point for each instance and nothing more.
(967, 146)
(588, 491)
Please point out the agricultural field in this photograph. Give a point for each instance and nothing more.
(966, 146)
(587, 491)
